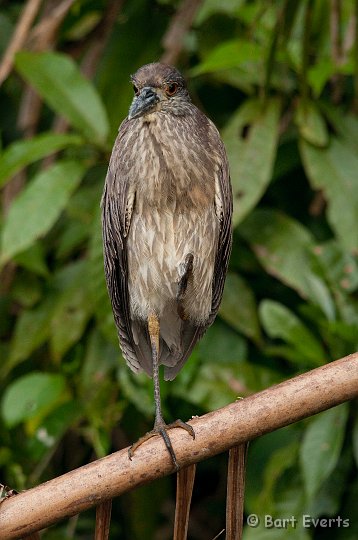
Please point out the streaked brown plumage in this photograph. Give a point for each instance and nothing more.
(166, 217)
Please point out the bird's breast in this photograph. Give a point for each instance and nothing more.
(171, 169)
(173, 216)
(157, 246)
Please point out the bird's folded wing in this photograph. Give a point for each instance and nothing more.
(223, 206)
(117, 205)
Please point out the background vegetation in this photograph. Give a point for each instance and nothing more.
(280, 80)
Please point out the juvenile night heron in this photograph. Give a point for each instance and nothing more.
(166, 218)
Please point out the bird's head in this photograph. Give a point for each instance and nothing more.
(158, 87)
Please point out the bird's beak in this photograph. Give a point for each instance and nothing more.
(146, 100)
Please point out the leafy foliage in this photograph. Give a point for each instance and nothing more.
(59, 82)
(44, 198)
(282, 88)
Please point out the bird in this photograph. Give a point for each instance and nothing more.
(167, 230)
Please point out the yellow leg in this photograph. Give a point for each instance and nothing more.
(159, 425)
(154, 331)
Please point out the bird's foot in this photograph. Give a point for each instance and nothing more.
(162, 428)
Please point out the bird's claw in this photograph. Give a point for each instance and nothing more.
(161, 429)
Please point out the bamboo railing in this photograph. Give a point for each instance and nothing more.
(216, 432)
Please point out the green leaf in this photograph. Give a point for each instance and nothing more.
(137, 388)
(229, 54)
(52, 428)
(214, 386)
(96, 279)
(311, 124)
(321, 295)
(279, 322)
(334, 171)
(251, 143)
(69, 320)
(32, 330)
(328, 501)
(281, 245)
(72, 310)
(282, 459)
(60, 83)
(261, 452)
(321, 447)
(61, 317)
(96, 282)
(33, 259)
(27, 292)
(30, 396)
(212, 7)
(319, 74)
(38, 206)
(100, 357)
(213, 375)
(238, 307)
(345, 125)
(22, 153)
(338, 267)
(221, 345)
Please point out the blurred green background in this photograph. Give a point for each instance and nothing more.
(280, 80)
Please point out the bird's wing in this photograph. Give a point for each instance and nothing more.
(190, 333)
(223, 208)
(117, 205)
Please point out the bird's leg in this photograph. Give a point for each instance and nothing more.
(159, 425)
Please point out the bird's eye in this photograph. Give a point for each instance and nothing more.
(135, 89)
(171, 89)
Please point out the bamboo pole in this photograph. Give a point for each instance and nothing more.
(103, 520)
(216, 432)
(185, 485)
(235, 492)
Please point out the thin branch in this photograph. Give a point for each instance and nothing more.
(269, 64)
(173, 39)
(306, 43)
(355, 53)
(349, 37)
(216, 432)
(100, 38)
(335, 26)
(336, 48)
(19, 37)
(43, 35)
